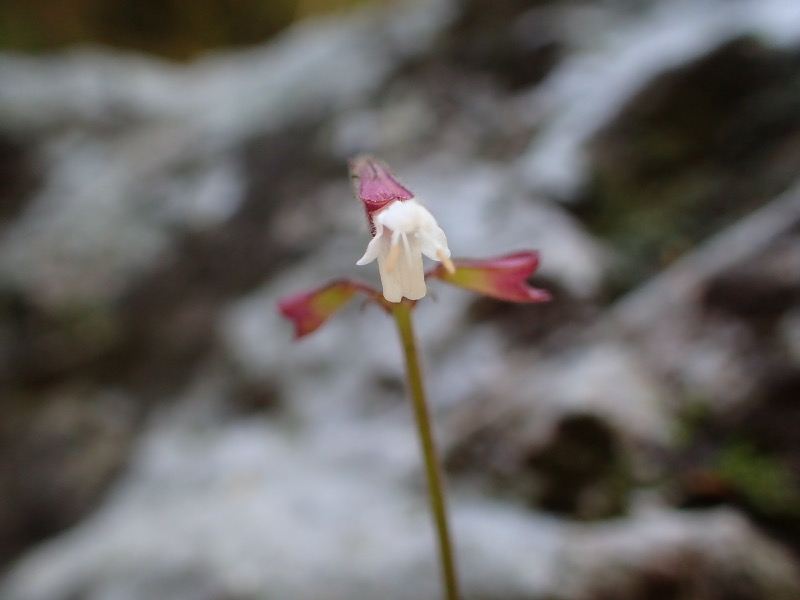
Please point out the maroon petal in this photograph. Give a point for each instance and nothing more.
(374, 184)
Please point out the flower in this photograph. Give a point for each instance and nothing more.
(309, 310)
(402, 231)
(502, 277)
(400, 225)
(407, 228)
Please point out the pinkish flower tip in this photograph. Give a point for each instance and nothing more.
(503, 277)
(375, 184)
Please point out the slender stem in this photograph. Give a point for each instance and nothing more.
(402, 316)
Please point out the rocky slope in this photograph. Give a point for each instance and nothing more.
(162, 437)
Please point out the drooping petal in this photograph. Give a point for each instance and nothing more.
(309, 310)
(503, 277)
(373, 249)
(405, 277)
(414, 220)
(433, 242)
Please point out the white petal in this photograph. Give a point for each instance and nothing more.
(406, 216)
(411, 224)
(432, 241)
(400, 215)
(406, 278)
(373, 249)
(407, 250)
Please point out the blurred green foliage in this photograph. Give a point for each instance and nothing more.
(176, 29)
(766, 481)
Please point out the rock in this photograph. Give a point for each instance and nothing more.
(137, 198)
(711, 354)
(60, 449)
(270, 512)
(565, 433)
(514, 41)
(271, 515)
(714, 555)
(761, 289)
(790, 333)
(716, 135)
(170, 207)
(17, 176)
(713, 326)
(601, 73)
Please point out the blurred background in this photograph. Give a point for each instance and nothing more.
(168, 170)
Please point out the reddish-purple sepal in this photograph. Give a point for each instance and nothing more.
(375, 184)
(502, 277)
(309, 310)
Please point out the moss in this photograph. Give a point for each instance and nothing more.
(764, 480)
(691, 423)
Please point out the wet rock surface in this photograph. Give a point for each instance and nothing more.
(160, 435)
(699, 147)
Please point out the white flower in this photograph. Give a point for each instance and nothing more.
(408, 228)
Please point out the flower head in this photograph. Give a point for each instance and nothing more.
(503, 277)
(402, 231)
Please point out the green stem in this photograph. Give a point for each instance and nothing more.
(402, 316)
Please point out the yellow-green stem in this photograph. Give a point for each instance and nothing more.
(402, 316)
